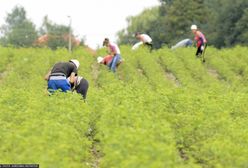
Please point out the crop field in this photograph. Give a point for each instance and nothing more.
(164, 109)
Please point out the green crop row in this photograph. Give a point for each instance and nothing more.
(161, 109)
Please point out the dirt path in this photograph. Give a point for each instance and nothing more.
(212, 72)
(96, 153)
(95, 149)
(141, 71)
(168, 74)
(5, 73)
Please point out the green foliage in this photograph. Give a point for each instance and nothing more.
(137, 117)
(18, 31)
(232, 16)
(140, 23)
(57, 34)
(223, 22)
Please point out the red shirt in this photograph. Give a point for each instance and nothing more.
(107, 59)
(200, 38)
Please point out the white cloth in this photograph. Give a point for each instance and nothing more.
(137, 45)
(77, 80)
(146, 38)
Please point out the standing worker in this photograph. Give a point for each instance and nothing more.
(114, 51)
(144, 39)
(201, 42)
(57, 77)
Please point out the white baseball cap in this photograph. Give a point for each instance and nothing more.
(193, 27)
(76, 62)
(99, 59)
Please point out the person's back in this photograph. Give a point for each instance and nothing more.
(145, 38)
(57, 77)
(183, 43)
(114, 48)
(65, 68)
(80, 85)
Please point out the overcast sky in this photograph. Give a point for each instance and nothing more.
(94, 19)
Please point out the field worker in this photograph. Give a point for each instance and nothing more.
(57, 77)
(183, 43)
(201, 42)
(114, 51)
(107, 61)
(80, 85)
(144, 39)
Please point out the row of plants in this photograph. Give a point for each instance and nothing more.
(137, 117)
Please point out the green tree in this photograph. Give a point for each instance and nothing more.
(231, 23)
(18, 30)
(242, 28)
(58, 35)
(140, 23)
(180, 15)
(170, 22)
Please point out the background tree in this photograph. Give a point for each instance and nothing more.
(18, 30)
(57, 36)
(141, 23)
(231, 23)
(222, 21)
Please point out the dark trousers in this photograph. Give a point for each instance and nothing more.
(199, 51)
(82, 88)
(150, 46)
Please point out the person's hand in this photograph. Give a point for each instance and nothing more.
(202, 48)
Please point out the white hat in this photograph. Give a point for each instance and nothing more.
(193, 27)
(76, 62)
(99, 59)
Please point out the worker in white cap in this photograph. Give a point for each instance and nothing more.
(57, 77)
(201, 41)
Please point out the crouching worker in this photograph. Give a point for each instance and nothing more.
(114, 51)
(57, 77)
(107, 61)
(143, 39)
(80, 85)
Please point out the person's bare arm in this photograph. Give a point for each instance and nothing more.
(47, 75)
(72, 77)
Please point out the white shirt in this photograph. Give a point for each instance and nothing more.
(146, 38)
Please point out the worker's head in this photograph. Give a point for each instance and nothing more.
(105, 42)
(75, 62)
(193, 28)
(137, 34)
(99, 59)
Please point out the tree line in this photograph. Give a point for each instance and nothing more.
(224, 22)
(19, 31)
